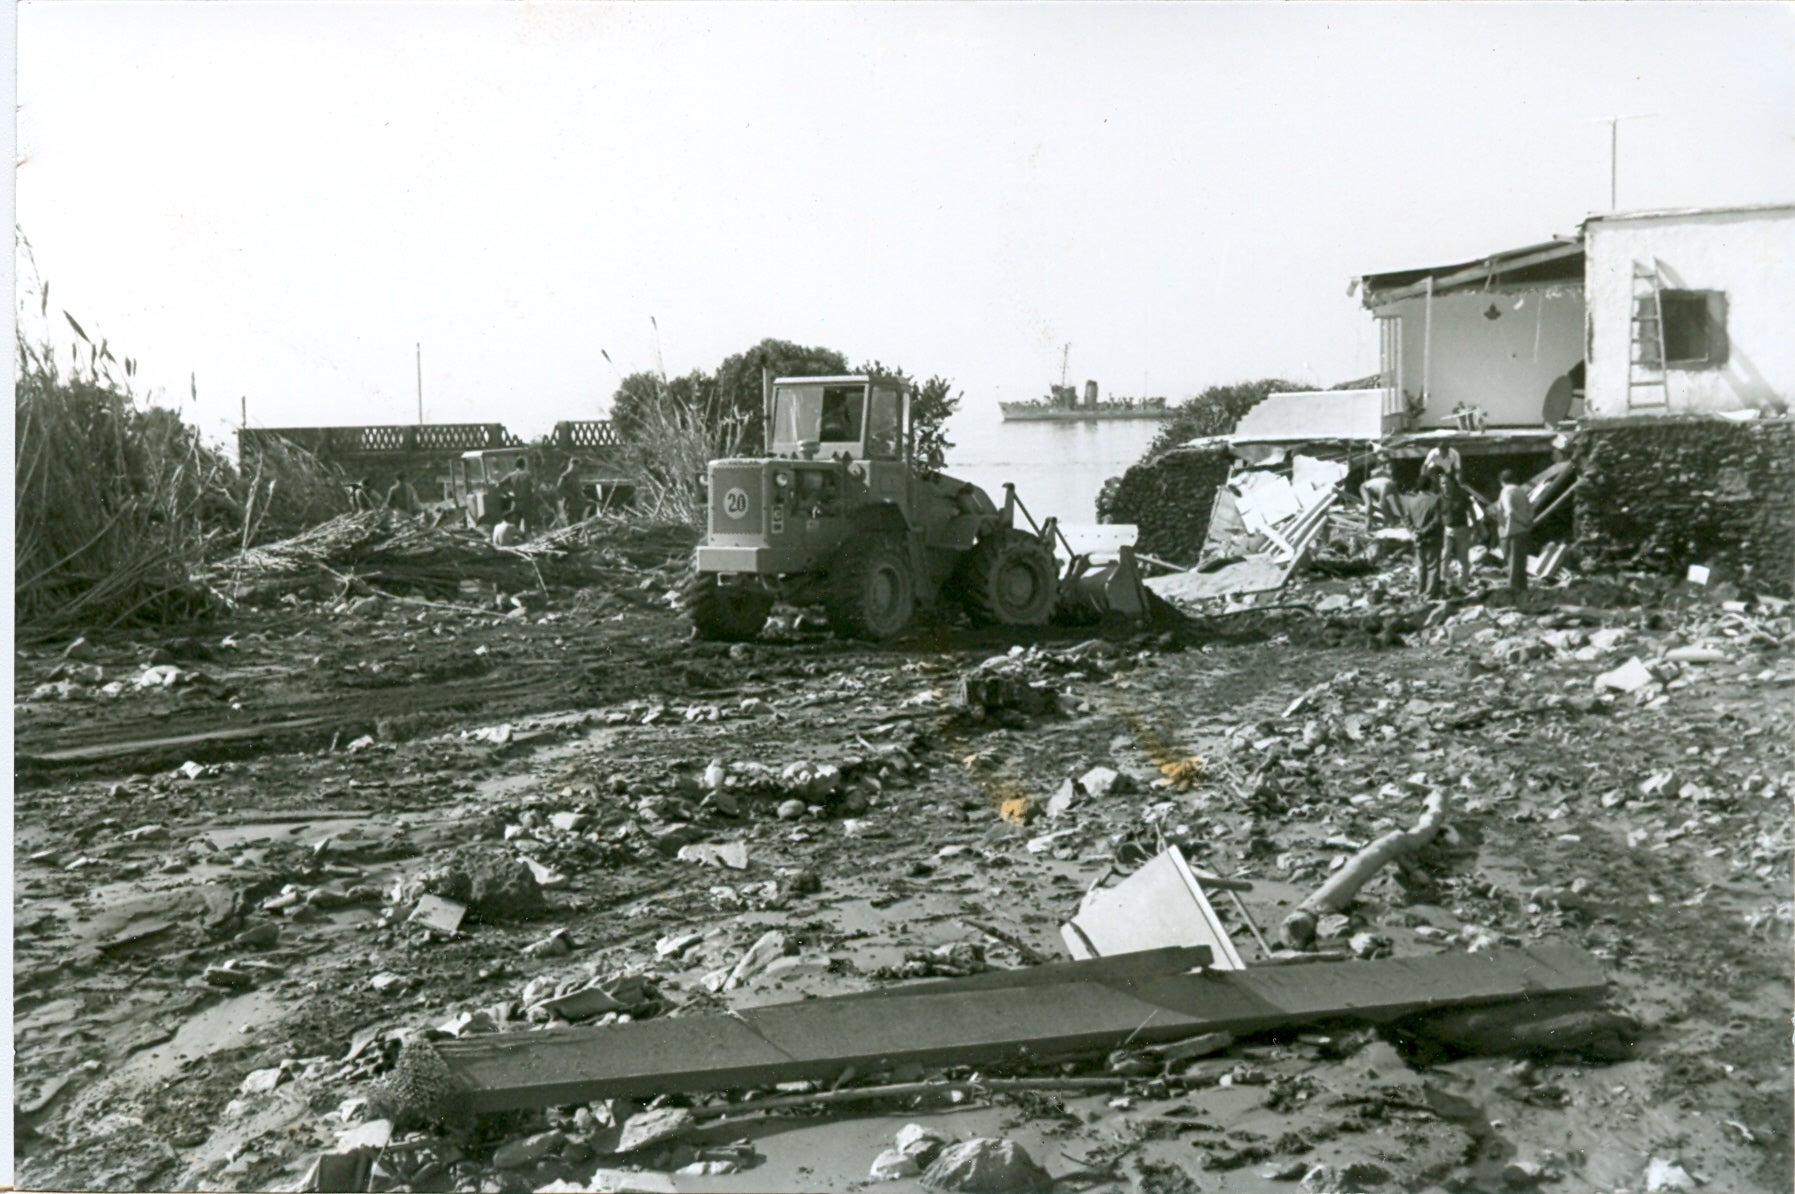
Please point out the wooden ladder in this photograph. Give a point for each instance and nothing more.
(1646, 385)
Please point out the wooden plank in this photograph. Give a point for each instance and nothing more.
(818, 1039)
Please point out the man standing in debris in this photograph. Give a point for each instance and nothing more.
(361, 495)
(1459, 513)
(520, 491)
(1444, 459)
(569, 495)
(402, 497)
(1379, 494)
(1514, 522)
(1421, 511)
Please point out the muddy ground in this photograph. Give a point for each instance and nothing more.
(212, 873)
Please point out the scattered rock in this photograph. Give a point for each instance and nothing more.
(1102, 782)
(1061, 802)
(492, 882)
(733, 855)
(921, 1142)
(434, 912)
(648, 1128)
(263, 1081)
(1665, 1174)
(521, 1154)
(892, 1165)
(987, 1166)
(760, 955)
(1630, 676)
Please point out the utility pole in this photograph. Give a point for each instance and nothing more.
(1614, 155)
(420, 351)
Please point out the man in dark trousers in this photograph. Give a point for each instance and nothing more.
(1459, 513)
(520, 488)
(569, 494)
(1422, 512)
(1514, 522)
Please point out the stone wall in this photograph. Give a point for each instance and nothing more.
(1169, 498)
(1663, 493)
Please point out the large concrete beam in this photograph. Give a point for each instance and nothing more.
(1087, 1010)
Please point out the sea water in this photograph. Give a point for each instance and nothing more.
(1057, 468)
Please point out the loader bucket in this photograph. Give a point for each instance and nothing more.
(1113, 588)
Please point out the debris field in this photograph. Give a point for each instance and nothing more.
(286, 879)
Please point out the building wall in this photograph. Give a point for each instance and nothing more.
(1748, 255)
(1505, 365)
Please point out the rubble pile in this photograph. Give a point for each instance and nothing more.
(269, 965)
(385, 551)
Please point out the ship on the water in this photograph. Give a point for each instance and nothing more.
(1064, 404)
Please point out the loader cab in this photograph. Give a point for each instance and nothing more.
(831, 418)
(474, 477)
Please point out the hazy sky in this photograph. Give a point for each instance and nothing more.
(283, 198)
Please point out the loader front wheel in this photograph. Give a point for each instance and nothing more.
(725, 613)
(1009, 579)
(872, 594)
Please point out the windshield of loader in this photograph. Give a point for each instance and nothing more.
(831, 415)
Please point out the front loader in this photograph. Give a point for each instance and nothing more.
(839, 514)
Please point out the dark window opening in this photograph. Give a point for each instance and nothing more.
(841, 414)
(1694, 327)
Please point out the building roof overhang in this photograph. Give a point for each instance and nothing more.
(1687, 213)
(1555, 262)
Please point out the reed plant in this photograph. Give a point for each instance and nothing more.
(672, 444)
(117, 501)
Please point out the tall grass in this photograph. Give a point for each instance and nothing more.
(108, 499)
(672, 444)
(117, 501)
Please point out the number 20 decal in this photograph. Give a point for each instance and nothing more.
(735, 503)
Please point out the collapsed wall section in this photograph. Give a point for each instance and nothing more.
(1663, 493)
(1169, 498)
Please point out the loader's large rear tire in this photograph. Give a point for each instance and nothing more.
(1009, 579)
(872, 594)
(725, 613)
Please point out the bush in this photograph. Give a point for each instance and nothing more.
(678, 426)
(1216, 411)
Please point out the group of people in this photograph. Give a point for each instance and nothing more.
(1445, 516)
(399, 496)
(529, 509)
(521, 505)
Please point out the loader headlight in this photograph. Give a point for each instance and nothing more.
(783, 479)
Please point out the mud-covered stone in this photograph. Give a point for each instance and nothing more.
(521, 1154)
(986, 1166)
(494, 883)
(892, 1165)
(648, 1128)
